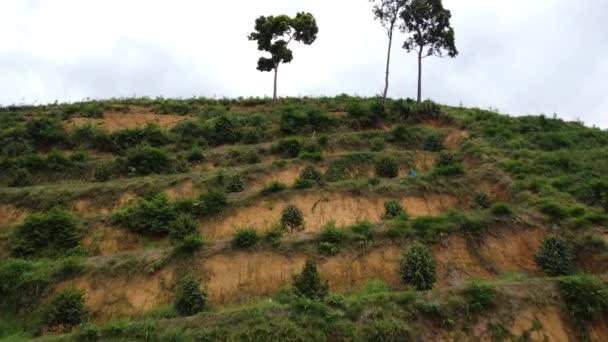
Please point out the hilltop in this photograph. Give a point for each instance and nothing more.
(114, 213)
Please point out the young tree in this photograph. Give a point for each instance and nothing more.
(274, 34)
(387, 12)
(427, 24)
(309, 283)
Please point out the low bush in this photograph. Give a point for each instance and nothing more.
(377, 144)
(479, 296)
(308, 283)
(88, 332)
(274, 236)
(147, 160)
(210, 204)
(52, 234)
(309, 177)
(66, 310)
(184, 234)
(554, 211)
(235, 183)
(331, 239)
(189, 298)
(153, 216)
(387, 167)
(18, 177)
(386, 329)
(363, 230)
(418, 268)
(393, 210)
(556, 256)
(273, 187)
(245, 238)
(501, 209)
(480, 201)
(586, 297)
(448, 164)
(288, 148)
(433, 143)
(292, 218)
(104, 172)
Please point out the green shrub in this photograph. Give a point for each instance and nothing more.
(363, 230)
(225, 131)
(274, 236)
(147, 160)
(479, 296)
(210, 204)
(430, 227)
(480, 201)
(556, 256)
(46, 131)
(377, 144)
(393, 210)
(130, 138)
(387, 167)
(311, 156)
(88, 332)
(308, 177)
(57, 161)
(448, 164)
(501, 209)
(288, 148)
(80, 155)
(272, 188)
(18, 176)
(433, 143)
(189, 299)
(331, 239)
(91, 136)
(386, 329)
(292, 122)
(309, 283)
(52, 234)
(104, 172)
(66, 310)
(555, 212)
(236, 183)
(184, 234)
(586, 297)
(374, 181)
(195, 154)
(418, 268)
(292, 218)
(148, 216)
(245, 238)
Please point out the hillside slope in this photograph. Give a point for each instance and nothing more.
(107, 208)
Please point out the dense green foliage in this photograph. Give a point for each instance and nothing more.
(308, 283)
(52, 234)
(556, 256)
(184, 234)
(66, 310)
(189, 299)
(292, 218)
(387, 167)
(586, 297)
(152, 216)
(211, 203)
(479, 296)
(245, 238)
(417, 267)
(393, 210)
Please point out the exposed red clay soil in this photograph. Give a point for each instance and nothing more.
(87, 207)
(454, 138)
(496, 191)
(104, 240)
(181, 190)
(456, 264)
(319, 209)
(115, 121)
(512, 250)
(9, 214)
(234, 276)
(109, 297)
(553, 324)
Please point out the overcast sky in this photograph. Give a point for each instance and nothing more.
(519, 56)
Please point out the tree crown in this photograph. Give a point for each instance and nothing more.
(274, 33)
(427, 23)
(387, 12)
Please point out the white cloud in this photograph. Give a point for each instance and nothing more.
(522, 57)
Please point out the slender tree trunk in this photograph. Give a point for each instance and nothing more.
(420, 75)
(274, 94)
(388, 62)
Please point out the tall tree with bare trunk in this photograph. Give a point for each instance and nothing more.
(387, 12)
(427, 25)
(273, 35)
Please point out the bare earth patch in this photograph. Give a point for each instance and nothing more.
(87, 207)
(117, 121)
(9, 214)
(104, 240)
(509, 251)
(318, 209)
